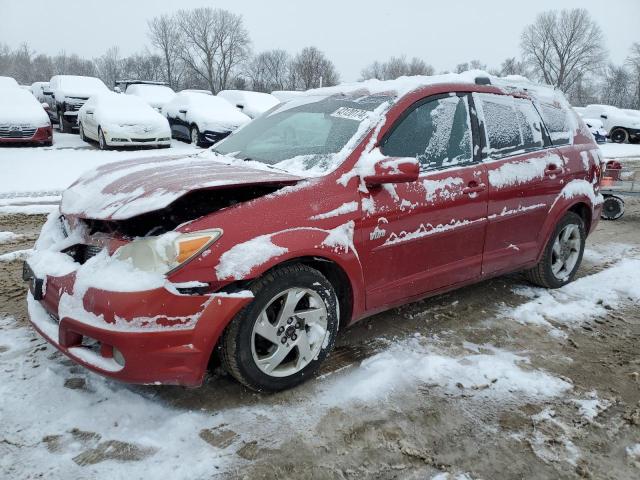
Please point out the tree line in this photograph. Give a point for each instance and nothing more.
(210, 48)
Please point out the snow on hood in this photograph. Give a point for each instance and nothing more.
(18, 106)
(126, 189)
(115, 108)
(77, 86)
(154, 95)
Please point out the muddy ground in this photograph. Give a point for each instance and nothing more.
(422, 431)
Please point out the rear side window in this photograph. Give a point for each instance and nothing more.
(511, 125)
(437, 133)
(557, 122)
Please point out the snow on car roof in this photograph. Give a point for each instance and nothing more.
(253, 103)
(18, 106)
(150, 92)
(8, 82)
(78, 81)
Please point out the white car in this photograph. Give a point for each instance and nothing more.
(252, 104)
(202, 119)
(22, 118)
(633, 113)
(155, 95)
(115, 120)
(38, 89)
(8, 82)
(621, 127)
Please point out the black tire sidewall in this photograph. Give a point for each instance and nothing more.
(618, 201)
(569, 218)
(197, 131)
(626, 136)
(264, 292)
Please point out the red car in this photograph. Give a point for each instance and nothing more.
(339, 204)
(23, 119)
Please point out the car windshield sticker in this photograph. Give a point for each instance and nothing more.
(351, 113)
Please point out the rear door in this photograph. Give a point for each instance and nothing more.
(525, 175)
(428, 234)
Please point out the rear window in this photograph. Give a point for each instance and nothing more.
(511, 125)
(557, 122)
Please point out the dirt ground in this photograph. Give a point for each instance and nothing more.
(422, 432)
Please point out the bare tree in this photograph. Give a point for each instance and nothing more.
(110, 66)
(311, 68)
(269, 71)
(633, 61)
(513, 66)
(562, 45)
(215, 43)
(164, 34)
(396, 67)
(617, 87)
(472, 65)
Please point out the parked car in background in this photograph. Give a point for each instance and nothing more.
(621, 126)
(632, 112)
(8, 82)
(195, 90)
(202, 119)
(596, 127)
(23, 119)
(361, 198)
(252, 104)
(67, 94)
(38, 89)
(115, 120)
(286, 95)
(156, 96)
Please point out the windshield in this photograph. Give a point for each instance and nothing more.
(306, 135)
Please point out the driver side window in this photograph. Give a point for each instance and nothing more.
(437, 133)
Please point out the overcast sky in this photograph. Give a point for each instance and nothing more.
(352, 33)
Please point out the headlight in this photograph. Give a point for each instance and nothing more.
(166, 252)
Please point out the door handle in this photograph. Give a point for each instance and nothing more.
(474, 187)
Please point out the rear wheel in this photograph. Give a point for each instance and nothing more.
(281, 338)
(612, 207)
(562, 255)
(619, 135)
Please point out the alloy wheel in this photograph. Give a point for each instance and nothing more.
(566, 251)
(289, 332)
(619, 135)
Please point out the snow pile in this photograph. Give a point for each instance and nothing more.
(633, 451)
(240, 259)
(17, 255)
(483, 372)
(9, 237)
(591, 407)
(252, 104)
(585, 298)
(155, 95)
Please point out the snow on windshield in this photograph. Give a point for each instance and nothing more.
(310, 136)
(72, 82)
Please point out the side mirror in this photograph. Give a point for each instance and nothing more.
(45, 105)
(89, 112)
(47, 92)
(182, 111)
(394, 170)
(604, 116)
(117, 89)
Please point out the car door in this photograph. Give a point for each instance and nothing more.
(525, 175)
(89, 119)
(425, 235)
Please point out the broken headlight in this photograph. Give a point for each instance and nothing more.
(166, 252)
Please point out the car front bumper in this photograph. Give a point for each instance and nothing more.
(149, 337)
(41, 135)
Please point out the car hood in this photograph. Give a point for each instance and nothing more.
(123, 190)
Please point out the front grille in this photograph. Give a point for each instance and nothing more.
(82, 253)
(17, 131)
(143, 139)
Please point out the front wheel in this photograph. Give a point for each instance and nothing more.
(102, 142)
(81, 133)
(612, 207)
(280, 339)
(562, 254)
(195, 136)
(619, 135)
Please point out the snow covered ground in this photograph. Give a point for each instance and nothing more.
(477, 381)
(617, 150)
(32, 178)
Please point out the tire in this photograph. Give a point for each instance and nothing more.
(81, 133)
(619, 135)
(544, 273)
(61, 124)
(612, 208)
(248, 356)
(102, 142)
(194, 134)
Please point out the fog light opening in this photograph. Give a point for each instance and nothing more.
(118, 357)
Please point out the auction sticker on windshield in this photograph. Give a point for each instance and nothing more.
(351, 113)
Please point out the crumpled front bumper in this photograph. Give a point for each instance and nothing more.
(155, 336)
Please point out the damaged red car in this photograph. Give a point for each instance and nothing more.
(341, 203)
